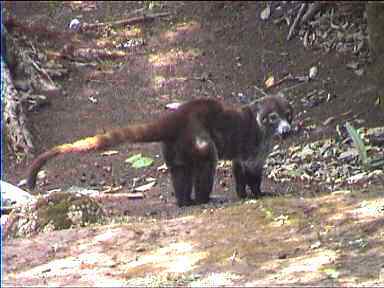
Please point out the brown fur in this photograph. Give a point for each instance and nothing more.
(194, 137)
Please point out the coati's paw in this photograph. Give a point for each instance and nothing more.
(186, 203)
(257, 194)
(218, 199)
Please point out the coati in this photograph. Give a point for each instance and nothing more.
(194, 137)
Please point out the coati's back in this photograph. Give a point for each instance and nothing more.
(166, 129)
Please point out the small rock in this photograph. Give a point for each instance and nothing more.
(362, 176)
(329, 121)
(140, 249)
(353, 65)
(107, 169)
(93, 183)
(173, 106)
(14, 195)
(348, 156)
(316, 245)
(282, 256)
(359, 72)
(313, 72)
(341, 192)
(264, 15)
(74, 25)
(83, 178)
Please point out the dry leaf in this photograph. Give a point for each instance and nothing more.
(264, 15)
(162, 168)
(109, 153)
(173, 106)
(145, 187)
(111, 189)
(270, 81)
(313, 72)
(134, 195)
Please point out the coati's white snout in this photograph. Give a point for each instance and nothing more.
(284, 128)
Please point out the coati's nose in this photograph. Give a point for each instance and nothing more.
(284, 128)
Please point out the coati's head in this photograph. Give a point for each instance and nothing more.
(274, 115)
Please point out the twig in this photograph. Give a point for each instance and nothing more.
(293, 86)
(260, 90)
(19, 137)
(285, 78)
(312, 10)
(233, 257)
(290, 77)
(92, 54)
(130, 21)
(294, 24)
(13, 217)
(111, 189)
(137, 11)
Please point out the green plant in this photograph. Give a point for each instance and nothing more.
(139, 161)
(367, 162)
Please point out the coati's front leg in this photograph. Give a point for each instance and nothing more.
(240, 179)
(254, 176)
(247, 174)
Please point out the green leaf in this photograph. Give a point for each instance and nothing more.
(133, 158)
(142, 162)
(139, 161)
(358, 143)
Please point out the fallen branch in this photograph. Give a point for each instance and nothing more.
(312, 10)
(296, 21)
(89, 54)
(19, 137)
(292, 87)
(9, 225)
(260, 90)
(21, 58)
(38, 30)
(289, 77)
(130, 21)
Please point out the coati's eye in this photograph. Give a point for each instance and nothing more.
(273, 117)
(265, 119)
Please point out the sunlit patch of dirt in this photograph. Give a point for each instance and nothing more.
(180, 31)
(243, 243)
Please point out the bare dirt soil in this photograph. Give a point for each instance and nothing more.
(204, 49)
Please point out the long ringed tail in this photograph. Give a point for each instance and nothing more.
(151, 132)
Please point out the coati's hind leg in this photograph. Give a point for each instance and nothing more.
(203, 181)
(204, 168)
(181, 173)
(182, 183)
